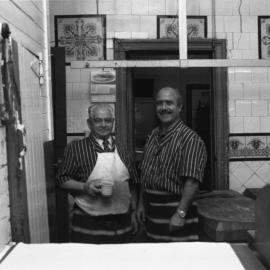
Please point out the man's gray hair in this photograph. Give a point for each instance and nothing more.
(94, 107)
(179, 95)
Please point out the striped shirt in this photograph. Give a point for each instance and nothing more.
(179, 153)
(80, 158)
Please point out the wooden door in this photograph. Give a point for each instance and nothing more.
(60, 141)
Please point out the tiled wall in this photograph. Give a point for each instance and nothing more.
(236, 21)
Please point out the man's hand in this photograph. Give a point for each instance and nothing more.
(134, 222)
(176, 222)
(140, 213)
(93, 187)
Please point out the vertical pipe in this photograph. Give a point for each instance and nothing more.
(182, 22)
(47, 70)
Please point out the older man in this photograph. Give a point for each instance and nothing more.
(98, 171)
(172, 168)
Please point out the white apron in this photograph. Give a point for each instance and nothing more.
(110, 167)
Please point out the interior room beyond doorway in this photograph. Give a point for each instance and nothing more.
(195, 87)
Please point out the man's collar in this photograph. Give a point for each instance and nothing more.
(171, 128)
(100, 141)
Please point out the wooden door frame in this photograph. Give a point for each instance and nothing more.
(124, 98)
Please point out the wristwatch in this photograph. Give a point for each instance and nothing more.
(181, 213)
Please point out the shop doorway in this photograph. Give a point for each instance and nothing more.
(203, 91)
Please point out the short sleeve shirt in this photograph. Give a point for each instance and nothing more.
(167, 159)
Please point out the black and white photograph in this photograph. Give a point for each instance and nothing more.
(135, 134)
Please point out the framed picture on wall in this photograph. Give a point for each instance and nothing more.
(264, 37)
(167, 26)
(83, 36)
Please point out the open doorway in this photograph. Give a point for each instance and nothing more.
(204, 93)
(195, 87)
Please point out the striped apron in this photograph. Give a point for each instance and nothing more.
(104, 219)
(159, 208)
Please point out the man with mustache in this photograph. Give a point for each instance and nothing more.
(99, 173)
(171, 170)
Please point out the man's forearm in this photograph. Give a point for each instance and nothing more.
(73, 186)
(189, 192)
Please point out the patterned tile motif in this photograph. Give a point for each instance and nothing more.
(249, 147)
(83, 36)
(249, 174)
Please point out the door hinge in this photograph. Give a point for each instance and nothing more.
(37, 67)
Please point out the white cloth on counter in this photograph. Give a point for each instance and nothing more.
(109, 167)
(173, 256)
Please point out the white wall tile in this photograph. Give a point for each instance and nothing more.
(236, 125)
(265, 124)
(234, 183)
(123, 35)
(263, 172)
(81, 91)
(140, 7)
(193, 7)
(56, 7)
(259, 108)
(251, 90)
(69, 90)
(240, 41)
(231, 24)
(264, 90)
(232, 108)
(206, 7)
(243, 173)
(71, 7)
(171, 7)
(235, 54)
(88, 6)
(236, 91)
(231, 75)
(243, 108)
(250, 54)
(253, 41)
(267, 7)
(254, 182)
(224, 7)
(149, 24)
(85, 75)
(139, 35)
(221, 35)
(109, 43)
(234, 166)
(243, 74)
(110, 54)
(157, 7)
(257, 7)
(106, 7)
(72, 75)
(123, 7)
(115, 22)
(252, 124)
(123, 23)
(268, 74)
(242, 6)
(220, 25)
(229, 37)
(259, 75)
(250, 24)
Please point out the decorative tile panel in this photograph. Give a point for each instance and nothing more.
(249, 146)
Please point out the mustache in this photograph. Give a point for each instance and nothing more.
(164, 111)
